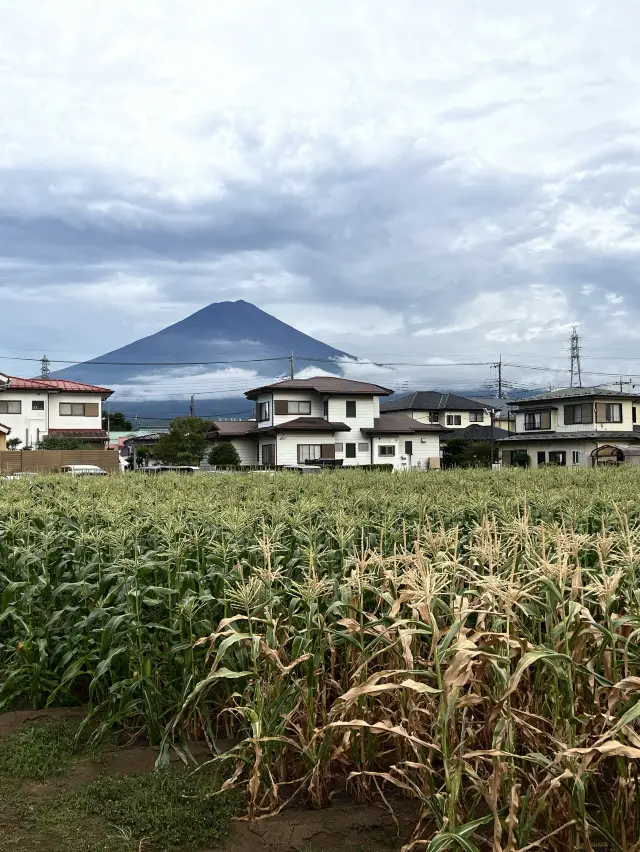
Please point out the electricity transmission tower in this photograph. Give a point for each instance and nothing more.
(44, 367)
(574, 352)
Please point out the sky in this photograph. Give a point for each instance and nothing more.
(430, 181)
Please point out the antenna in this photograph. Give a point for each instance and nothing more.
(574, 353)
(44, 367)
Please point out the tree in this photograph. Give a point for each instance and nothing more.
(184, 443)
(461, 452)
(13, 443)
(144, 452)
(50, 442)
(116, 421)
(224, 454)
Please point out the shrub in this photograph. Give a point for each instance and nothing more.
(224, 455)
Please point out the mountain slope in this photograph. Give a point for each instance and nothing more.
(223, 331)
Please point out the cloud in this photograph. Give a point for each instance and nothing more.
(404, 181)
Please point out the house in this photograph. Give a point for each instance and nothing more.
(504, 418)
(331, 419)
(436, 408)
(4, 431)
(574, 426)
(33, 408)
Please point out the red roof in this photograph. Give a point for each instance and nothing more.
(16, 383)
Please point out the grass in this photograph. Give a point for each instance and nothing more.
(167, 811)
(37, 751)
(469, 639)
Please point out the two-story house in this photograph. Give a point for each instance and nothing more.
(574, 426)
(325, 417)
(34, 408)
(461, 417)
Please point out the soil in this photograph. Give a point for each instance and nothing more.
(343, 827)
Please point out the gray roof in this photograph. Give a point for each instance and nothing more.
(576, 393)
(431, 401)
(572, 436)
(325, 385)
(231, 428)
(476, 432)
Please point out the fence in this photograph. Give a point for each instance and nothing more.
(42, 461)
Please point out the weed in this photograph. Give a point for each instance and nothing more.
(37, 751)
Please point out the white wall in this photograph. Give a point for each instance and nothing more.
(57, 421)
(558, 424)
(366, 408)
(423, 417)
(30, 425)
(532, 448)
(424, 447)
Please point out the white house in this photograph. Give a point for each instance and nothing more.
(331, 419)
(574, 426)
(436, 408)
(33, 408)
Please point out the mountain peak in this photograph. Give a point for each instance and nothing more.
(230, 333)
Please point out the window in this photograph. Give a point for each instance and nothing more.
(263, 414)
(386, 450)
(309, 452)
(363, 447)
(476, 417)
(291, 406)
(634, 414)
(351, 408)
(454, 420)
(37, 405)
(537, 420)
(574, 414)
(79, 409)
(350, 451)
(339, 448)
(268, 451)
(325, 409)
(609, 412)
(542, 457)
(434, 417)
(10, 406)
(408, 448)
(558, 458)
(575, 457)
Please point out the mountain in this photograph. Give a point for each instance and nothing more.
(237, 333)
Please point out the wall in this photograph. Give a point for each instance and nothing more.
(31, 425)
(42, 461)
(366, 408)
(424, 447)
(423, 417)
(246, 449)
(584, 448)
(558, 424)
(63, 422)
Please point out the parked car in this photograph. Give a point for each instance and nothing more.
(19, 474)
(166, 468)
(83, 470)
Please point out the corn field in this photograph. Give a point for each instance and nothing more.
(467, 639)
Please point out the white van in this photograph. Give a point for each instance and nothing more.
(83, 470)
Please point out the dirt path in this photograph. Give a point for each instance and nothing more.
(344, 827)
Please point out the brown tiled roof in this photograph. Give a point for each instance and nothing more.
(476, 432)
(231, 428)
(305, 424)
(392, 424)
(431, 401)
(16, 383)
(84, 434)
(4, 429)
(324, 384)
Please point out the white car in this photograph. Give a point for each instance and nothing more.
(83, 470)
(20, 474)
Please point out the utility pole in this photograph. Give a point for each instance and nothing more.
(500, 378)
(292, 364)
(44, 367)
(574, 353)
(192, 406)
(492, 414)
